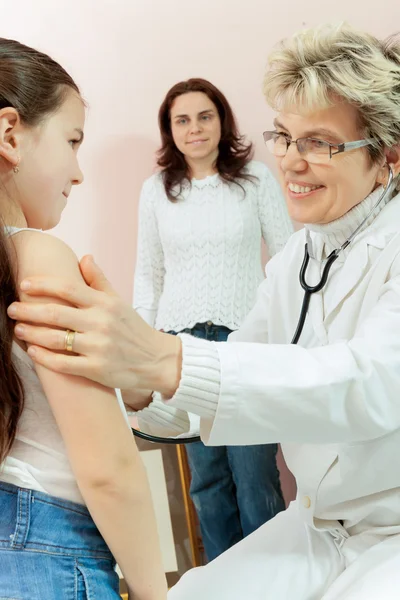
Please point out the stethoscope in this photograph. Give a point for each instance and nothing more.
(309, 290)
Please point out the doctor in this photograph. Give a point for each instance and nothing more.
(333, 400)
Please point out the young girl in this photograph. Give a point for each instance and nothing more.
(199, 266)
(73, 490)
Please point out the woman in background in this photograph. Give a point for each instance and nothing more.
(201, 220)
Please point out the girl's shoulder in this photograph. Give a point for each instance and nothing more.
(37, 253)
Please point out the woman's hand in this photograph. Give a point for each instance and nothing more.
(113, 345)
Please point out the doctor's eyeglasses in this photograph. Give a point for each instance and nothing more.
(312, 150)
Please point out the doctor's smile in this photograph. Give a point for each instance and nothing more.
(302, 190)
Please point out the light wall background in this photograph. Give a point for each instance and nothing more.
(125, 54)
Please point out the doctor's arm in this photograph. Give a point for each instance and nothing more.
(245, 392)
(344, 392)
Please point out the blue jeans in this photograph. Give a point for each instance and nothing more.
(50, 549)
(235, 489)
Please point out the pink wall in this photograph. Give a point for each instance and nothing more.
(125, 54)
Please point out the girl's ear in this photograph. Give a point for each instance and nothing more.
(10, 123)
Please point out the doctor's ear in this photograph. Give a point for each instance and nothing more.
(10, 125)
(392, 158)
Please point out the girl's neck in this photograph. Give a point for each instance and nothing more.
(11, 213)
(202, 168)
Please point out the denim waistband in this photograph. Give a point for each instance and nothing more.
(35, 521)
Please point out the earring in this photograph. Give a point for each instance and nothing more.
(16, 168)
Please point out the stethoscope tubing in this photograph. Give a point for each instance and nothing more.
(155, 439)
(308, 289)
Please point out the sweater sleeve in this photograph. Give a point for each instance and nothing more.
(163, 420)
(150, 270)
(274, 218)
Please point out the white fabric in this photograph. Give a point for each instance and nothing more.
(287, 560)
(199, 259)
(38, 458)
(333, 401)
(164, 420)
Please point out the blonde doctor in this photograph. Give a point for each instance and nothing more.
(333, 400)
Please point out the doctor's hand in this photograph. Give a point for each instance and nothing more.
(113, 345)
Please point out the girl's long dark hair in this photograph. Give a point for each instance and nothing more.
(36, 86)
(234, 152)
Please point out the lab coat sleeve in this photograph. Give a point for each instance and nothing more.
(150, 270)
(340, 393)
(346, 392)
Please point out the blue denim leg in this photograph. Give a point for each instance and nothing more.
(235, 489)
(258, 489)
(214, 495)
(51, 549)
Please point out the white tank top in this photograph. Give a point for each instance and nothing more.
(38, 457)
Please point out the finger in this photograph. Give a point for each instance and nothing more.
(68, 364)
(54, 315)
(60, 363)
(94, 276)
(75, 293)
(53, 339)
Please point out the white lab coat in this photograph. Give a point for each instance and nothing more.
(333, 402)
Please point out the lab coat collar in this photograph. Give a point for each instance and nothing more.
(356, 258)
(322, 239)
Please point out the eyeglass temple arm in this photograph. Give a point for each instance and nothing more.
(358, 144)
(350, 146)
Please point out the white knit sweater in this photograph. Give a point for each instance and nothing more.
(199, 259)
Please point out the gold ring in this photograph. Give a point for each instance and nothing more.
(69, 340)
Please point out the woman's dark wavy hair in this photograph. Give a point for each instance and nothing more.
(234, 152)
(36, 86)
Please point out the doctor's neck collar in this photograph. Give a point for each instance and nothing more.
(332, 235)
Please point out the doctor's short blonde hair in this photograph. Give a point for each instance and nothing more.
(317, 66)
